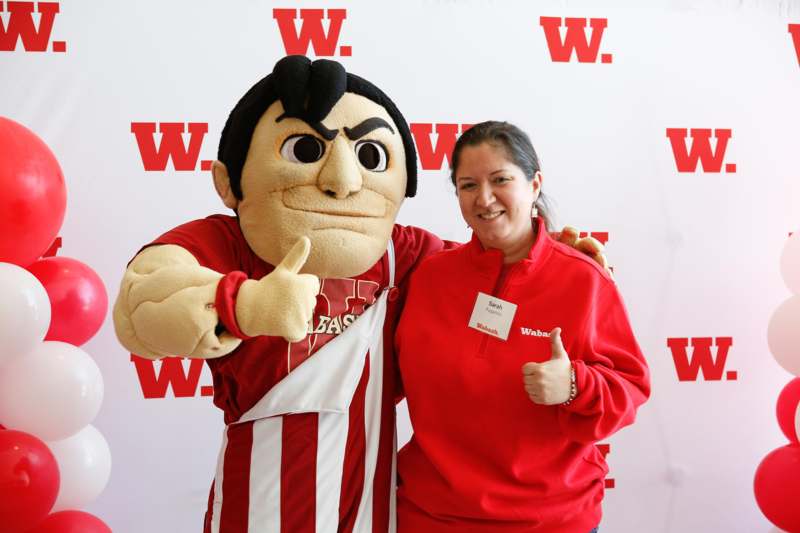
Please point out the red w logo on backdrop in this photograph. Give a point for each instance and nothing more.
(171, 147)
(688, 368)
(586, 49)
(311, 31)
(21, 26)
(794, 29)
(605, 449)
(601, 236)
(686, 159)
(171, 374)
(432, 155)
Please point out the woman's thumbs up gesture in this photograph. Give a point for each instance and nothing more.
(549, 383)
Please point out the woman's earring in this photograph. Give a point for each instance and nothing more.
(534, 211)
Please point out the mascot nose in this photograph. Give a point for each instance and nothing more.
(340, 176)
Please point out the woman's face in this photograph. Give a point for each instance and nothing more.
(495, 197)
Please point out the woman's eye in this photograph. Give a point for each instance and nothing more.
(372, 156)
(302, 149)
(467, 186)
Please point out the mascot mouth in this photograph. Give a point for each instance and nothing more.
(310, 199)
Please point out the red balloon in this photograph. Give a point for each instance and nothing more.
(71, 522)
(786, 409)
(29, 480)
(34, 196)
(78, 298)
(777, 487)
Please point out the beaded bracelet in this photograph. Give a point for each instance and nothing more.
(573, 387)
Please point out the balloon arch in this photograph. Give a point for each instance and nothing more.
(52, 460)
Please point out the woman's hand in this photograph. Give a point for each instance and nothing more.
(549, 383)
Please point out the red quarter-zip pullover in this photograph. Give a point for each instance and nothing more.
(483, 457)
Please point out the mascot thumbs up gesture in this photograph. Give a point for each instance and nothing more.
(258, 305)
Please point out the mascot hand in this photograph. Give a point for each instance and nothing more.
(166, 308)
(587, 245)
(281, 303)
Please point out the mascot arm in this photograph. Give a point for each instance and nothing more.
(165, 307)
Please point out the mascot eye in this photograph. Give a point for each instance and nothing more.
(372, 155)
(302, 149)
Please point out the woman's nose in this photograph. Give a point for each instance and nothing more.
(485, 196)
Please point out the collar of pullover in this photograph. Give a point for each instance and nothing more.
(490, 261)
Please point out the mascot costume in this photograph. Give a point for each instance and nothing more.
(293, 301)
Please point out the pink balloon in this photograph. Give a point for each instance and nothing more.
(787, 409)
(777, 485)
(71, 522)
(783, 335)
(34, 196)
(78, 298)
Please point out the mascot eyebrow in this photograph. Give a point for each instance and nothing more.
(317, 126)
(366, 127)
(353, 134)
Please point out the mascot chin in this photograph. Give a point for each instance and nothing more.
(293, 300)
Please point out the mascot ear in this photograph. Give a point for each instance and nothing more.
(222, 182)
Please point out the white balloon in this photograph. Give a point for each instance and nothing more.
(783, 335)
(84, 462)
(51, 393)
(24, 312)
(790, 263)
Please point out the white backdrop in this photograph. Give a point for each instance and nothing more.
(695, 253)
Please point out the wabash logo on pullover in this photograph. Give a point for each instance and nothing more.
(689, 368)
(575, 38)
(171, 146)
(534, 332)
(19, 24)
(711, 159)
(312, 31)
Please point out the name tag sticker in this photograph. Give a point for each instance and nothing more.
(492, 316)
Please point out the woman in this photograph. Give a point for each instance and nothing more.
(505, 423)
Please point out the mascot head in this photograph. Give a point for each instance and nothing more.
(313, 150)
